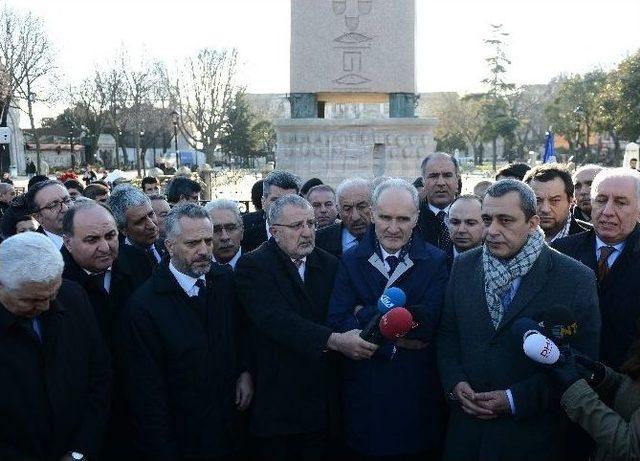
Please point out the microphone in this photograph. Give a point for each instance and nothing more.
(560, 323)
(391, 298)
(396, 323)
(535, 345)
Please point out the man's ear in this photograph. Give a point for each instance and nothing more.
(66, 240)
(168, 244)
(534, 222)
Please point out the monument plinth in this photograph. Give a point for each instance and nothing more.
(353, 51)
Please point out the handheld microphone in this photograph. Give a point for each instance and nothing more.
(560, 323)
(392, 297)
(396, 323)
(535, 345)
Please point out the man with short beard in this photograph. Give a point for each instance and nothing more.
(582, 179)
(181, 366)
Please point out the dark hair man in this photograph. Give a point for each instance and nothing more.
(582, 179)
(183, 374)
(500, 394)
(612, 250)
(465, 223)
(354, 203)
(181, 190)
(75, 188)
(323, 200)
(97, 192)
(285, 286)
(54, 393)
(391, 255)
(553, 187)
(513, 171)
(48, 201)
(275, 185)
(150, 185)
(441, 177)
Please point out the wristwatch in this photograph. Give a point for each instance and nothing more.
(77, 456)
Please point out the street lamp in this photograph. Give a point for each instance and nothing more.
(73, 157)
(142, 148)
(175, 116)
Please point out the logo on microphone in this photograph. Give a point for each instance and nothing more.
(386, 301)
(547, 349)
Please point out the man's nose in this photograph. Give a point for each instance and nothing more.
(543, 206)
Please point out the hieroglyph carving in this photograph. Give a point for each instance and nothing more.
(353, 44)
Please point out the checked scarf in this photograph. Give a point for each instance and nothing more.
(500, 274)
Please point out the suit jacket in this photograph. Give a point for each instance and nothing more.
(576, 226)
(404, 387)
(287, 315)
(470, 349)
(255, 231)
(429, 228)
(619, 293)
(181, 367)
(330, 239)
(54, 396)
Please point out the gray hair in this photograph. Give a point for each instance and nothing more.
(185, 210)
(527, 196)
(124, 197)
(224, 204)
(589, 166)
(350, 183)
(281, 179)
(398, 184)
(29, 257)
(616, 173)
(4, 188)
(275, 210)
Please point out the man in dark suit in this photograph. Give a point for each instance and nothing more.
(553, 186)
(277, 184)
(441, 178)
(183, 376)
(612, 250)
(400, 383)
(137, 222)
(109, 273)
(582, 180)
(504, 407)
(285, 287)
(227, 231)
(54, 393)
(354, 203)
(48, 201)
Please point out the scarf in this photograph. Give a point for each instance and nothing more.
(564, 231)
(500, 274)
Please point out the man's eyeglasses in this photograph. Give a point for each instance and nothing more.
(217, 229)
(56, 204)
(311, 224)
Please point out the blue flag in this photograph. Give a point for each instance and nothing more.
(549, 149)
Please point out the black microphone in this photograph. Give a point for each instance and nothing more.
(392, 297)
(559, 323)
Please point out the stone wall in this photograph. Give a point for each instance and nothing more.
(333, 150)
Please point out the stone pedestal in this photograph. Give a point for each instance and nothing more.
(333, 150)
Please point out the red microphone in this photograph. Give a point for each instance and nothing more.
(396, 323)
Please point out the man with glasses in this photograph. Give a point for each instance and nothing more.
(354, 205)
(48, 201)
(285, 286)
(227, 231)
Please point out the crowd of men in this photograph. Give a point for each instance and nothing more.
(136, 325)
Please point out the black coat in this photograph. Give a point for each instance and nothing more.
(130, 270)
(255, 231)
(54, 397)
(292, 369)
(619, 294)
(181, 367)
(330, 239)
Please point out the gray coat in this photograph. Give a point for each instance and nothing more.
(470, 349)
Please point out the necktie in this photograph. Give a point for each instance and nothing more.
(393, 262)
(444, 241)
(151, 255)
(298, 263)
(35, 325)
(96, 281)
(603, 263)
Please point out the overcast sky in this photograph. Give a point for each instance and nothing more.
(548, 37)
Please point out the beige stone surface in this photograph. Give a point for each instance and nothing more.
(333, 150)
(353, 46)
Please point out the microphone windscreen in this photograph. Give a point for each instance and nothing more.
(521, 326)
(392, 297)
(559, 322)
(396, 323)
(541, 349)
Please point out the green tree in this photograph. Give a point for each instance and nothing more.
(263, 139)
(236, 141)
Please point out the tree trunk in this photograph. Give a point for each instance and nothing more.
(494, 159)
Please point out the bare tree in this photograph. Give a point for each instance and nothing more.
(203, 92)
(27, 56)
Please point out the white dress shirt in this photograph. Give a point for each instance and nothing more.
(614, 254)
(107, 279)
(153, 249)
(185, 281)
(302, 266)
(385, 255)
(233, 261)
(55, 238)
(437, 210)
(348, 240)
